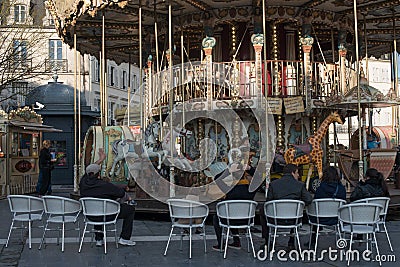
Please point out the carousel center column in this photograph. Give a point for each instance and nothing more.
(306, 44)
(342, 74)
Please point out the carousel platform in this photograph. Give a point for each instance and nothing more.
(154, 206)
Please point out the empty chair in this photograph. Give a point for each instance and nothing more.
(284, 214)
(98, 211)
(360, 218)
(60, 210)
(187, 214)
(323, 212)
(236, 214)
(384, 202)
(25, 209)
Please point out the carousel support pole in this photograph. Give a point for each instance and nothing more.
(79, 112)
(129, 92)
(395, 78)
(141, 89)
(360, 117)
(158, 77)
(307, 43)
(171, 103)
(267, 137)
(183, 143)
(76, 175)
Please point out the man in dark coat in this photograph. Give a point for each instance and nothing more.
(92, 185)
(239, 192)
(287, 187)
(45, 168)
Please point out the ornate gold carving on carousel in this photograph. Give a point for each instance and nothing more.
(25, 114)
(113, 132)
(307, 43)
(235, 83)
(258, 42)
(208, 43)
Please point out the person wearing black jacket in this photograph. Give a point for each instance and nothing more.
(239, 192)
(287, 187)
(91, 185)
(45, 167)
(330, 187)
(373, 185)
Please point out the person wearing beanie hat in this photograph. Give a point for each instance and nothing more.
(92, 185)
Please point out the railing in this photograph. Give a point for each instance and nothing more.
(19, 64)
(60, 65)
(284, 78)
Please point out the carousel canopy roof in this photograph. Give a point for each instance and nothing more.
(190, 17)
(370, 97)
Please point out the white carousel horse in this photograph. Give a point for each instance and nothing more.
(153, 147)
(162, 150)
(122, 149)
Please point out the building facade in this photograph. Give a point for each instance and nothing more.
(31, 52)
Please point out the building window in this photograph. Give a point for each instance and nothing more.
(55, 49)
(19, 53)
(96, 70)
(124, 79)
(20, 13)
(112, 73)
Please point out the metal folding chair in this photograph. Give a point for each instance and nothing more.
(187, 214)
(106, 211)
(237, 214)
(25, 209)
(60, 210)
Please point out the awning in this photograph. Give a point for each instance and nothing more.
(34, 126)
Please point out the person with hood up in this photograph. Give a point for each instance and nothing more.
(92, 185)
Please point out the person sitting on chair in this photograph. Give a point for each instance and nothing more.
(287, 187)
(239, 192)
(92, 185)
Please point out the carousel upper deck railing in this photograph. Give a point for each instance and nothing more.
(284, 78)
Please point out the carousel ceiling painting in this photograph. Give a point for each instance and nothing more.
(330, 22)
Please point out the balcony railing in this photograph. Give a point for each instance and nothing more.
(19, 65)
(284, 78)
(59, 65)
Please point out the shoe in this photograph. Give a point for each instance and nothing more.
(99, 243)
(217, 248)
(235, 245)
(125, 242)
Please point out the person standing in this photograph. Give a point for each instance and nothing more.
(45, 168)
(91, 185)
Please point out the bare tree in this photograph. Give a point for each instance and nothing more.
(23, 46)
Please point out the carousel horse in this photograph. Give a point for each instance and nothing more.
(122, 149)
(153, 146)
(162, 150)
(311, 151)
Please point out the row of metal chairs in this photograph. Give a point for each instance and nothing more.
(362, 217)
(62, 211)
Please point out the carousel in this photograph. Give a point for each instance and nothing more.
(226, 82)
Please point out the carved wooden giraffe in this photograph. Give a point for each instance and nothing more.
(316, 153)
